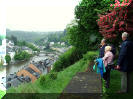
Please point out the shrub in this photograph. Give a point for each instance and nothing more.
(8, 59)
(67, 59)
(90, 56)
(53, 75)
(42, 79)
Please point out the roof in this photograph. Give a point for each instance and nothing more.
(32, 72)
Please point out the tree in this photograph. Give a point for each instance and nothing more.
(23, 55)
(14, 39)
(8, 59)
(47, 45)
(83, 32)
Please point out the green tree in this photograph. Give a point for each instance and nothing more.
(14, 39)
(8, 59)
(23, 55)
(83, 32)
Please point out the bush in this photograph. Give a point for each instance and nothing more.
(67, 59)
(53, 75)
(8, 59)
(22, 55)
(42, 80)
(90, 56)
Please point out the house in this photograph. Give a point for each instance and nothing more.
(26, 72)
(34, 68)
(12, 54)
(58, 43)
(13, 80)
(51, 43)
(9, 43)
(62, 43)
(28, 50)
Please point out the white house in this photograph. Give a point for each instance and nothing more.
(12, 54)
(58, 43)
(62, 43)
(29, 51)
(51, 43)
(9, 43)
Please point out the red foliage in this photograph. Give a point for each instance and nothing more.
(117, 20)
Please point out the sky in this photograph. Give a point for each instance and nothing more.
(38, 15)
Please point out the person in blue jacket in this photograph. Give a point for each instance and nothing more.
(125, 63)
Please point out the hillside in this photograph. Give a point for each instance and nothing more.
(28, 36)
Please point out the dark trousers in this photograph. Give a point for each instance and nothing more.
(106, 77)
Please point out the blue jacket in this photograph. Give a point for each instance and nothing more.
(125, 60)
(100, 66)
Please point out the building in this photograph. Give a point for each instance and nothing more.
(27, 72)
(62, 43)
(51, 43)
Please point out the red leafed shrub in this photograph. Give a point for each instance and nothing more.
(118, 20)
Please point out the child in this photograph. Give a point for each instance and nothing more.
(107, 60)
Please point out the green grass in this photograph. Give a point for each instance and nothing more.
(115, 86)
(2, 93)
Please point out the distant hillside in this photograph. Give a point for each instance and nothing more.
(28, 36)
(59, 36)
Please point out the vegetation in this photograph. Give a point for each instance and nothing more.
(2, 93)
(29, 45)
(83, 32)
(8, 59)
(14, 39)
(116, 21)
(32, 47)
(24, 35)
(22, 55)
(55, 37)
(115, 86)
(67, 59)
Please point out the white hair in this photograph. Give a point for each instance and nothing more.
(108, 48)
(125, 34)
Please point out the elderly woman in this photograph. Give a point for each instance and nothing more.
(107, 60)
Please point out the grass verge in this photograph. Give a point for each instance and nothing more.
(115, 86)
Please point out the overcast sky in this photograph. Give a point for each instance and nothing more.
(39, 15)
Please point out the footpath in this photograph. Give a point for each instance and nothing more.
(84, 85)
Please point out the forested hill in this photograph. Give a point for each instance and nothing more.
(29, 36)
(55, 37)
